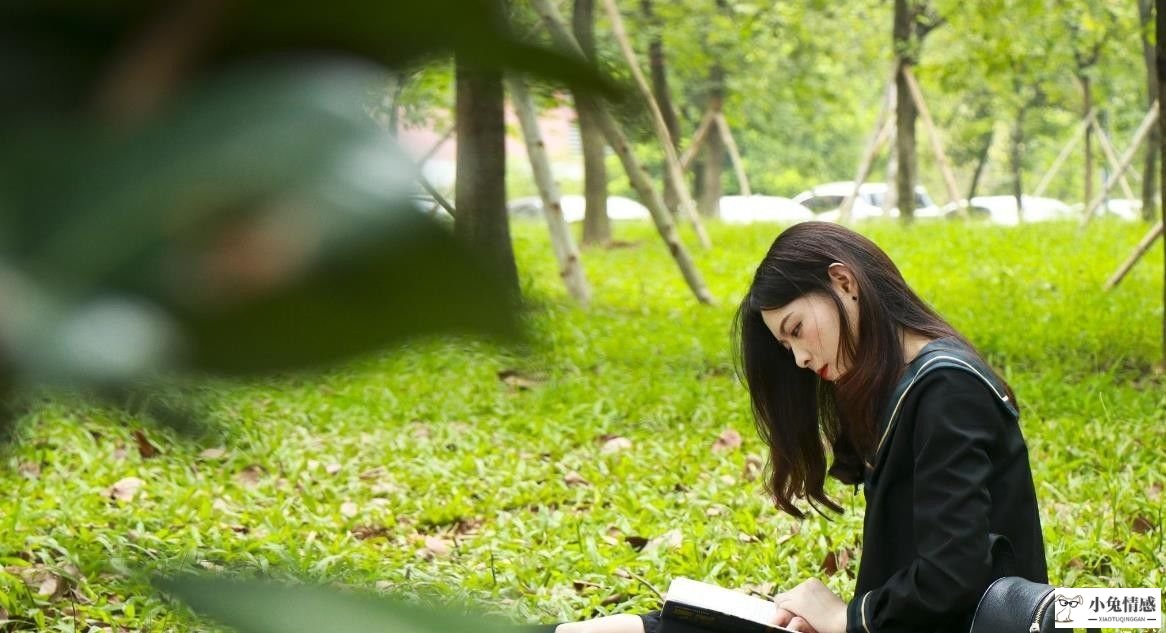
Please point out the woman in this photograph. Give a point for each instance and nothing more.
(837, 351)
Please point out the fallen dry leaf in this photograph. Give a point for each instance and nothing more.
(517, 380)
(1141, 524)
(31, 470)
(468, 526)
(49, 586)
(614, 598)
(729, 440)
(754, 464)
(125, 489)
(365, 532)
(668, 540)
(614, 445)
(575, 479)
(434, 547)
(616, 244)
(145, 448)
(349, 509)
(582, 586)
(373, 473)
(1155, 491)
(714, 511)
(250, 476)
(835, 562)
(332, 468)
(213, 453)
(637, 542)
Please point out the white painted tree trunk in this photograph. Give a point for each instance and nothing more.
(567, 254)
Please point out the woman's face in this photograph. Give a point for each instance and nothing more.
(810, 328)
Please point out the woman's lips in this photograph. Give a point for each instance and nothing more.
(822, 372)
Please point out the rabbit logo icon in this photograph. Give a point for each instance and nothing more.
(1065, 606)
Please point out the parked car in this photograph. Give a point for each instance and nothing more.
(1124, 208)
(825, 200)
(618, 208)
(750, 209)
(1002, 209)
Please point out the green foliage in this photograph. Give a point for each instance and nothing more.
(441, 472)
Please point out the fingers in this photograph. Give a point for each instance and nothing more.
(799, 624)
(783, 617)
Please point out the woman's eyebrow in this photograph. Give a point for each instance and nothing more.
(781, 328)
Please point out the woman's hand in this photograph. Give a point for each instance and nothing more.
(811, 608)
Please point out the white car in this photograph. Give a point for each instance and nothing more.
(618, 208)
(750, 209)
(1002, 209)
(826, 199)
(1124, 208)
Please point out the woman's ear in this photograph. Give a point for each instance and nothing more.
(843, 280)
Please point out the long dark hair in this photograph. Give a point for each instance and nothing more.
(797, 413)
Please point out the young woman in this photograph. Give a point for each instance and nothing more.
(846, 364)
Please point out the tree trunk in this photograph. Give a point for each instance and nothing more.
(1015, 162)
(673, 176)
(1149, 199)
(596, 225)
(709, 202)
(1160, 73)
(981, 161)
(662, 93)
(904, 44)
(1087, 101)
(480, 191)
(632, 167)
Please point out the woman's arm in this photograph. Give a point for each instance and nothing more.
(958, 419)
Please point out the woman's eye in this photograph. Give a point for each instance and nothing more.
(797, 330)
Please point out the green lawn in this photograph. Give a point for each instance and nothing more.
(423, 471)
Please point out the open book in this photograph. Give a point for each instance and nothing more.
(692, 606)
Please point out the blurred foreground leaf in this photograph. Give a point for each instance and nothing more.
(263, 223)
(59, 51)
(267, 607)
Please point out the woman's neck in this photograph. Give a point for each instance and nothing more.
(913, 343)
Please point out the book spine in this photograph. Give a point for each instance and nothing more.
(709, 620)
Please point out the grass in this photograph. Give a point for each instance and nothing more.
(421, 471)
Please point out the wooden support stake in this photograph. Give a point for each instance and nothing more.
(618, 142)
(567, 254)
(441, 201)
(702, 131)
(734, 155)
(672, 171)
(1140, 135)
(1111, 156)
(436, 146)
(883, 125)
(1060, 159)
(936, 142)
(1139, 250)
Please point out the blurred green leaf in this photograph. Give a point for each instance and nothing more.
(265, 607)
(59, 50)
(264, 223)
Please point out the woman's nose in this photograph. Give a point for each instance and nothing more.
(802, 358)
